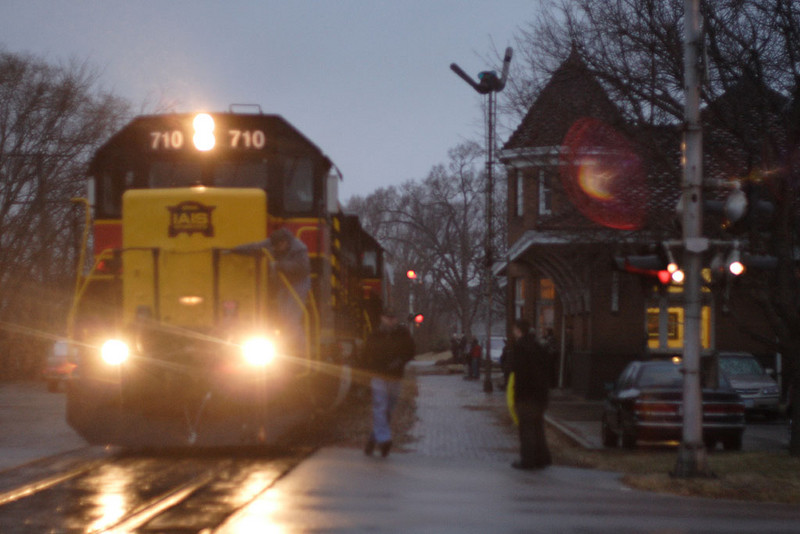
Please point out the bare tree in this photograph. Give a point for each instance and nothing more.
(51, 119)
(437, 227)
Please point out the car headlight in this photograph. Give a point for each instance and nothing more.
(770, 390)
(114, 351)
(258, 351)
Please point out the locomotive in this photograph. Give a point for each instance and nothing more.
(178, 333)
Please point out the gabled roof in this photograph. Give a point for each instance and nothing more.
(572, 93)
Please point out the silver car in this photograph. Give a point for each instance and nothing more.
(757, 389)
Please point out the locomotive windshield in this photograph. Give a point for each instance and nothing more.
(164, 174)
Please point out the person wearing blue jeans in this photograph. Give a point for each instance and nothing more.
(387, 351)
(384, 398)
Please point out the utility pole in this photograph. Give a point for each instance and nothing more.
(692, 460)
(489, 85)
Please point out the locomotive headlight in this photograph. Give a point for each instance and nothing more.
(258, 351)
(114, 351)
(204, 139)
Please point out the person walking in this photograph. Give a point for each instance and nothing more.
(531, 366)
(474, 360)
(387, 351)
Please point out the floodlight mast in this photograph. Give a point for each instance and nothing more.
(488, 85)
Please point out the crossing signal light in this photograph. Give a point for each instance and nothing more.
(736, 268)
(651, 265)
(735, 265)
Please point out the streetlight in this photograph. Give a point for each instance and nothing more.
(488, 85)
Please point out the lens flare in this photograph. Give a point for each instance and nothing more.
(114, 351)
(603, 175)
(258, 351)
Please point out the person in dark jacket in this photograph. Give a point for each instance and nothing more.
(387, 351)
(532, 366)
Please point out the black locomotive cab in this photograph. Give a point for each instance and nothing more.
(219, 150)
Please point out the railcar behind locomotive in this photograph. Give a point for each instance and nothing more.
(179, 336)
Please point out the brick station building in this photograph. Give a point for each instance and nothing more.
(564, 246)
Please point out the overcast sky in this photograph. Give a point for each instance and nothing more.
(368, 81)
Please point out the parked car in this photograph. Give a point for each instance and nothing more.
(758, 390)
(646, 403)
(58, 366)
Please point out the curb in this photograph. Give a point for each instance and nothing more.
(576, 437)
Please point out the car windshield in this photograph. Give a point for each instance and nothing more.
(740, 366)
(666, 375)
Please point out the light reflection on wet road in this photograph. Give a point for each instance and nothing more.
(140, 493)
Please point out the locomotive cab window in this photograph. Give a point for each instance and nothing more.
(111, 185)
(298, 185)
(241, 174)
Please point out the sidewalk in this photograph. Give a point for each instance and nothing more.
(454, 477)
(440, 421)
(577, 418)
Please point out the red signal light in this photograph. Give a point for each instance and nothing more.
(664, 276)
(418, 318)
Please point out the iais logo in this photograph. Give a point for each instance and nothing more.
(190, 217)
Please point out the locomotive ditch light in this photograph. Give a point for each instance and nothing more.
(258, 351)
(115, 352)
(204, 139)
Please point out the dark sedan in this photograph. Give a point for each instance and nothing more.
(646, 403)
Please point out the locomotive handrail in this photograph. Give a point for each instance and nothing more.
(367, 324)
(307, 316)
(80, 289)
(316, 325)
(87, 209)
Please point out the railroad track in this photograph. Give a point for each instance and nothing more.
(98, 491)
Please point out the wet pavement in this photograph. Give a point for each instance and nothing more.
(32, 424)
(455, 476)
